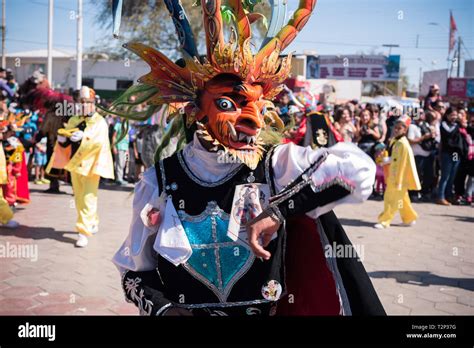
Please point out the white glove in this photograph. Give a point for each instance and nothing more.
(62, 139)
(76, 136)
(347, 162)
(14, 142)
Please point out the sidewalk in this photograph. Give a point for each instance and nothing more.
(65, 279)
(426, 269)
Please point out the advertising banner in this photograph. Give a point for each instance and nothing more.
(353, 67)
(461, 88)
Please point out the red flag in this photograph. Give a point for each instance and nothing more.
(452, 30)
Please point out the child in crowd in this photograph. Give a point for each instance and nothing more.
(40, 162)
(402, 176)
(13, 155)
(381, 156)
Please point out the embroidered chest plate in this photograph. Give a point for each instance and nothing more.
(217, 261)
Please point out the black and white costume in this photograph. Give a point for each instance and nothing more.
(191, 261)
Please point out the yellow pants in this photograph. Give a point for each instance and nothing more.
(85, 196)
(6, 213)
(397, 200)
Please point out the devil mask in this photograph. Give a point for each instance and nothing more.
(226, 94)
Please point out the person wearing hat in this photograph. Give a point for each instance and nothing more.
(402, 176)
(432, 97)
(83, 149)
(12, 83)
(297, 132)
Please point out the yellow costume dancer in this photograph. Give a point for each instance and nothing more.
(402, 176)
(83, 149)
(6, 213)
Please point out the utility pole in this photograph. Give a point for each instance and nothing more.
(50, 43)
(421, 81)
(79, 45)
(458, 61)
(4, 28)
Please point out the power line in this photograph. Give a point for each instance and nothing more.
(368, 45)
(38, 42)
(466, 49)
(56, 7)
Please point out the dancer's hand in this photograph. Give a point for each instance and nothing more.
(77, 136)
(264, 227)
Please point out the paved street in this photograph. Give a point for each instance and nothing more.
(425, 269)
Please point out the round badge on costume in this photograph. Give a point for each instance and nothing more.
(272, 290)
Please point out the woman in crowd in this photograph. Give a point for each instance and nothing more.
(379, 122)
(466, 167)
(421, 137)
(450, 155)
(470, 159)
(343, 124)
(432, 97)
(368, 133)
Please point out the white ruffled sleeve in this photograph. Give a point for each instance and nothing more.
(136, 252)
(345, 165)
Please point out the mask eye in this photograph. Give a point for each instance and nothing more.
(225, 104)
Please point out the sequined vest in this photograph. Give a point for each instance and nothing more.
(221, 274)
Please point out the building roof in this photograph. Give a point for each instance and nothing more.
(42, 53)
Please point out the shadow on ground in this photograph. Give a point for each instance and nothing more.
(460, 217)
(114, 187)
(36, 233)
(423, 278)
(42, 191)
(356, 222)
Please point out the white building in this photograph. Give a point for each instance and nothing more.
(23, 64)
(101, 74)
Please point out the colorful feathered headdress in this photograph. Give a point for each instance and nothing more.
(169, 83)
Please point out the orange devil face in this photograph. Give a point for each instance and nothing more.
(232, 112)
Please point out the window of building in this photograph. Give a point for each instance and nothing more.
(124, 84)
(88, 82)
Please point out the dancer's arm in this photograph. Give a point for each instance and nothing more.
(145, 290)
(136, 259)
(346, 175)
(312, 182)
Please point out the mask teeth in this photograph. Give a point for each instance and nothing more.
(250, 159)
(233, 132)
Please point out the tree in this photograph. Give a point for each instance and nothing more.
(148, 21)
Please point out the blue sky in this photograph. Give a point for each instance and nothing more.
(336, 27)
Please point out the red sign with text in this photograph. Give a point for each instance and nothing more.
(457, 87)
